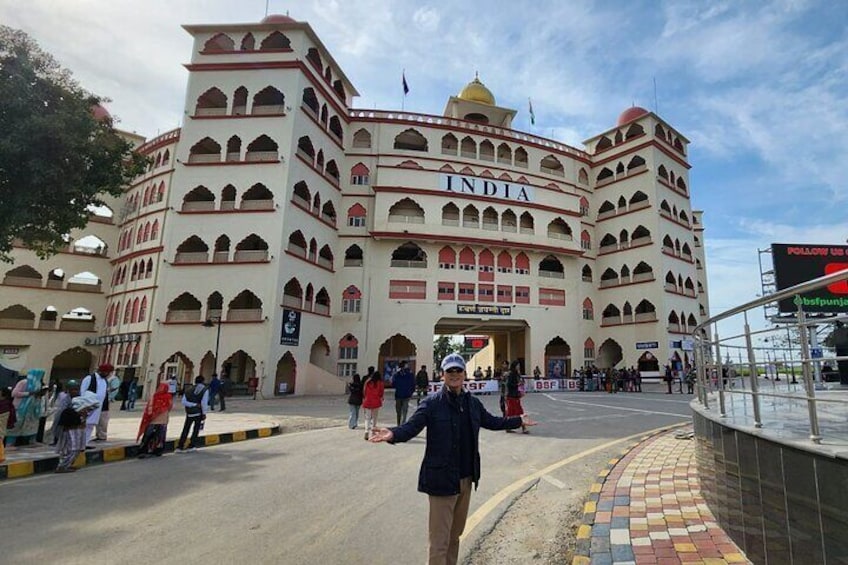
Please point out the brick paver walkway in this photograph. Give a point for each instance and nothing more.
(649, 510)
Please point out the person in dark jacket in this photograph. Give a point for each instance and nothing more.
(451, 463)
(354, 400)
(404, 384)
(421, 383)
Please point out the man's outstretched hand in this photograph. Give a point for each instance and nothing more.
(381, 434)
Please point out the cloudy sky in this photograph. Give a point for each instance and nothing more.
(759, 88)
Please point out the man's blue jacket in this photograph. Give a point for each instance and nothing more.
(440, 414)
(404, 383)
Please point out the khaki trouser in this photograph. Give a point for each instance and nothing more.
(447, 522)
(103, 425)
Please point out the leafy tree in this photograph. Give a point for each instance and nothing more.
(442, 347)
(56, 159)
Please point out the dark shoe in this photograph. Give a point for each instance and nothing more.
(510, 431)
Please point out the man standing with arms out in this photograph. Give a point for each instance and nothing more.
(96, 383)
(404, 384)
(421, 383)
(451, 463)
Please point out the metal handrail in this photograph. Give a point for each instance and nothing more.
(709, 359)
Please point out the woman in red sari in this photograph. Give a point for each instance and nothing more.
(154, 423)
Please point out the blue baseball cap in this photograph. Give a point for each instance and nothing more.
(452, 361)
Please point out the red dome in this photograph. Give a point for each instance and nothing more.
(100, 113)
(631, 114)
(278, 19)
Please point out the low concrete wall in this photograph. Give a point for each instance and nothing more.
(316, 380)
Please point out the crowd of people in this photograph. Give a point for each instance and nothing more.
(81, 412)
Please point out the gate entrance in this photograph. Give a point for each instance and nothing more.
(507, 343)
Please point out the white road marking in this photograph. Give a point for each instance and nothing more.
(687, 416)
(557, 483)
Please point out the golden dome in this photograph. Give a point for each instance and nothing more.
(476, 91)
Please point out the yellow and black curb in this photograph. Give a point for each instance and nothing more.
(583, 546)
(18, 469)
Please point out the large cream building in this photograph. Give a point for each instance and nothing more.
(301, 239)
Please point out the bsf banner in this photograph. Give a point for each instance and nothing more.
(474, 387)
(550, 385)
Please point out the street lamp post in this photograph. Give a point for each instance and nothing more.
(208, 324)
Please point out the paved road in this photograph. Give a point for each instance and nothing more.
(322, 496)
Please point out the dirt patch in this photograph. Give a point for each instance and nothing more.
(540, 525)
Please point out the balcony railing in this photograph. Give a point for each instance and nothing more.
(552, 274)
(199, 206)
(244, 315)
(182, 316)
(247, 255)
(292, 301)
(22, 281)
(409, 264)
(406, 219)
(204, 158)
(16, 324)
(257, 204)
(192, 257)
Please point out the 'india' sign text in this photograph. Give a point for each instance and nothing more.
(486, 187)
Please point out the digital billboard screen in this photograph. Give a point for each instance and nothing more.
(798, 263)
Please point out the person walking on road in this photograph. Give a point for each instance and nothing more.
(225, 391)
(513, 396)
(132, 394)
(154, 423)
(372, 399)
(668, 378)
(404, 384)
(196, 403)
(421, 383)
(214, 391)
(354, 400)
(451, 463)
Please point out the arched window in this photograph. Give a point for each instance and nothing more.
(470, 217)
(219, 42)
(406, 211)
(293, 294)
(467, 259)
(504, 262)
(268, 101)
(526, 224)
(409, 255)
(332, 171)
(310, 101)
(586, 273)
(585, 240)
(552, 166)
(521, 158)
(154, 230)
(411, 140)
(263, 148)
(142, 311)
(588, 310)
(134, 317)
(207, 150)
(356, 215)
(450, 215)
(353, 256)
(604, 176)
(504, 154)
(362, 139)
(447, 258)
(360, 175)
(603, 143)
(550, 266)
(487, 150)
(336, 128)
(522, 264)
(240, 101)
(636, 163)
(248, 42)
(275, 40)
(351, 300)
(213, 102)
